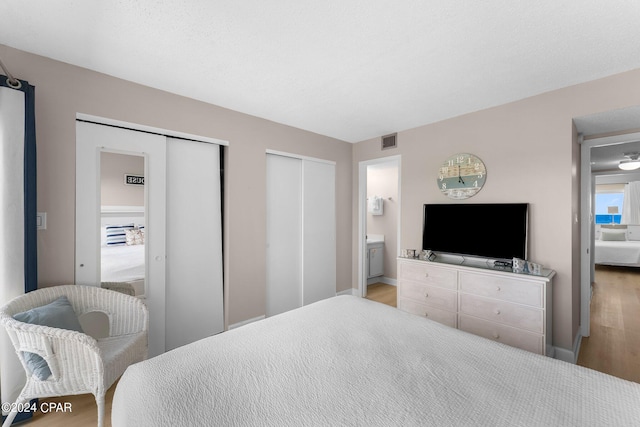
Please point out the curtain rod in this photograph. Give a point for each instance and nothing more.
(11, 81)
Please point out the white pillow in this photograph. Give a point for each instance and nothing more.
(613, 235)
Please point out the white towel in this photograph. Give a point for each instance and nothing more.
(375, 205)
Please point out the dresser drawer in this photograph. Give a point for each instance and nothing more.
(429, 274)
(445, 317)
(502, 333)
(504, 288)
(430, 295)
(519, 316)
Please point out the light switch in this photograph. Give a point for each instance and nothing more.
(41, 220)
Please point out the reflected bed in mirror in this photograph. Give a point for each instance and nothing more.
(122, 222)
(122, 249)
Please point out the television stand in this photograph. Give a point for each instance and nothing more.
(477, 297)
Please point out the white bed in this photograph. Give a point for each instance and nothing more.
(617, 245)
(349, 361)
(622, 253)
(122, 263)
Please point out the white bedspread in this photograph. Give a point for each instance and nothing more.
(122, 263)
(348, 361)
(617, 253)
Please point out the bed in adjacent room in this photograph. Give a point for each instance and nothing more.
(350, 361)
(617, 245)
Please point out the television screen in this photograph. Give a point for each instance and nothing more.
(497, 231)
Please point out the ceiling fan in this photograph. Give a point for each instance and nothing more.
(631, 162)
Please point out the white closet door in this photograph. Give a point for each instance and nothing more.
(301, 232)
(194, 304)
(319, 235)
(284, 234)
(91, 139)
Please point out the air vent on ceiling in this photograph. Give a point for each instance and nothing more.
(389, 141)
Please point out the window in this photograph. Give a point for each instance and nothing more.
(609, 207)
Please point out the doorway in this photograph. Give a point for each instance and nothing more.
(379, 213)
(588, 226)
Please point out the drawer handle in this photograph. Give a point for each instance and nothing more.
(426, 274)
(496, 311)
(496, 335)
(498, 288)
(426, 294)
(426, 314)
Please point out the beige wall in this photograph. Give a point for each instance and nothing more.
(530, 150)
(382, 181)
(113, 191)
(63, 90)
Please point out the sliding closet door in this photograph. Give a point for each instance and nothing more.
(319, 231)
(91, 140)
(301, 232)
(194, 305)
(284, 234)
(183, 237)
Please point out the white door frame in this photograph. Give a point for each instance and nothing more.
(587, 226)
(362, 214)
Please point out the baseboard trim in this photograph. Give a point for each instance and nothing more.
(383, 279)
(350, 291)
(389, 281)
(246, 322)
(570, 356)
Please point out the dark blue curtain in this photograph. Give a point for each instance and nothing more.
(30, 242)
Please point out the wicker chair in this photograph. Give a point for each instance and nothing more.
(79, 364)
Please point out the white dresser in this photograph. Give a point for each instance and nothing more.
(511, 308)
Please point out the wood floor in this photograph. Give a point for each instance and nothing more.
(383, 293)
(614, 344)
(612, 348)
(84, 412)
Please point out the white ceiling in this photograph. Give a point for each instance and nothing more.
(605, 159)
(350, 69)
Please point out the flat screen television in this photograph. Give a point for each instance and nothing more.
(490, 230)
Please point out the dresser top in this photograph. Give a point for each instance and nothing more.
(482, 264)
